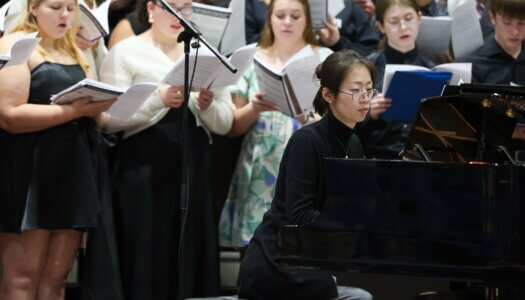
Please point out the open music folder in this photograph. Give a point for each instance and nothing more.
(408, 88)
(94, 22)
(293, 88)
(406, 85)
(20, 51)
(318, 13)
(222, 27)
(128, 100)
(3, 12)
(210, 72)
(434, 36)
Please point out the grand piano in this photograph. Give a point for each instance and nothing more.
(451, 207)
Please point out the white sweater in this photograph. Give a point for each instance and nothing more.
(136, 60)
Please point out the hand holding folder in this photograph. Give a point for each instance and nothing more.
(406, 85)
(406, 90)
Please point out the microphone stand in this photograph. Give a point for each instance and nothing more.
(189, 33)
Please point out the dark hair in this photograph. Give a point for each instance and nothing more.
(382, 6)
(268, 37)
(332, 72)
(141, 9)
(512, 9)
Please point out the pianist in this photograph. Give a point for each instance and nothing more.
(343, 99)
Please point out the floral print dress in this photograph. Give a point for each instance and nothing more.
(253, 183)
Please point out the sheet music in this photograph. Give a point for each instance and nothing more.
(94, 23)
(301, 74)
(335, 7)
(390, 69)
(3, 12)
(98, 91)
(466, 30)
(211, 21)
(434, 36)
(234, 34)
(286, 95)
(461, 72)
(101, 13)
(129, 102)
(318, 12)
(453, 4)
(21, 50)
(14, 15)
(241, 59)
(207, 64)
(210, 72)
(271, 85)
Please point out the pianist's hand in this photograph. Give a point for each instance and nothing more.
(379, 105)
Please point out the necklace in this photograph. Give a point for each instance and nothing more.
(347, 149)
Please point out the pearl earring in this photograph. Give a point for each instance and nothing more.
(150, 19)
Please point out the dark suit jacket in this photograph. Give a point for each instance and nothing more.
(492, 65)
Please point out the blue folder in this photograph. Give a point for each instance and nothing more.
(406, 90)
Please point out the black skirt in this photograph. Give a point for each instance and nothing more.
(50, 179)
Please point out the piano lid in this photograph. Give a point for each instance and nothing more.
(468, 124)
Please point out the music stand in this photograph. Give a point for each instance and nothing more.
(186, 36)
(471, 123)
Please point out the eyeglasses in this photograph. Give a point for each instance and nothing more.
(409, 20)
(185, 11)
(359, 95)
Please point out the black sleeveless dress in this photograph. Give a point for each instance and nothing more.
(57, 179)
(49, 179)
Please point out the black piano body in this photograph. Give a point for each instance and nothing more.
(458, 214)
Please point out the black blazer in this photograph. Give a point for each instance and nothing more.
(357, 32)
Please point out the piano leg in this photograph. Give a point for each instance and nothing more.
(491, 293)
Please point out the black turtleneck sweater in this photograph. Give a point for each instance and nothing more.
(299, 197)
(390, 55)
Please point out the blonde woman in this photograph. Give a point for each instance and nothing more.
(49, 169)
(288, 29)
